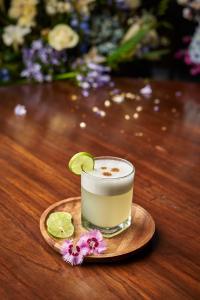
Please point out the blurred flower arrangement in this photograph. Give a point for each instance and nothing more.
(82, 40)
(191, 53)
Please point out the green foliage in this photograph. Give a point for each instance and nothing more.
(162, 7)
(129, 47)
(69, 75)
(156, 54)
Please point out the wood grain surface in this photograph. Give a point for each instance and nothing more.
(135, 237)
(164, 147)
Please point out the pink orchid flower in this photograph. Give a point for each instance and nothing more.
(93, 242)
(73, 254)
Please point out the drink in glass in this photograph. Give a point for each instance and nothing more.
(106, 195)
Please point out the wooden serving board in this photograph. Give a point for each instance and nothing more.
(136, 236)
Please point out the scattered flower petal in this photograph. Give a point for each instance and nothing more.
(135, 116)
(95, 109)
(74, 97)
(115, 92)
(174, 110)
(127, 117)
(20, 110)
(139, 108)
(156, 108)
(157, 101)
(85, 85)
(139, 134)
(147, 90)
(159, 148)
(178, 93)
(118, 98)
(107, 103)
(83, 125)
(137, 98)
(102, 113)
(85, 93)
(130, 96)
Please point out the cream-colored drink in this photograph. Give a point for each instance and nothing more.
(106, 195)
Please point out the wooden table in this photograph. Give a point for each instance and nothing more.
(164, 147)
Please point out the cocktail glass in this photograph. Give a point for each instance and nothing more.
(106, 195)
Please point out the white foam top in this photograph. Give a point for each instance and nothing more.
(109, 177)
(102, 166)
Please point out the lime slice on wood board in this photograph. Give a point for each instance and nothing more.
(81, 161)
(59, 225)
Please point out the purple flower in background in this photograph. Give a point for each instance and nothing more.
(41, 61)
(33, 71)
(92, 75)
(127, 4)
(37, 45)
(120, 4)
(4, 75)
(191, 54)
(74, 22)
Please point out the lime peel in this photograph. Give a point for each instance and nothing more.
(80, 162)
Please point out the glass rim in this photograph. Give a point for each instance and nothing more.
(114, 158)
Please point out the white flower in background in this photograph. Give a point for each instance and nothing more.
(194, 48)
(51, 7)
(62, 37)
(133, 29)
(63, 7)
(187, 13)
(183, 2)
(150, 38)
(83, 6)
(133, 3)
(13, 35)
(2, 6)
(54, 6)
(94, 56)
(195, 4)
(24, 11)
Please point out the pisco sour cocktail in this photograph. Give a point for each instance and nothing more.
(106, 194)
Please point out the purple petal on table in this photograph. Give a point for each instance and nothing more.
(147, 90)
(115, 92)
(178, 93)
(85, 93)
(111, 84)
(20, 110)
(156, 108)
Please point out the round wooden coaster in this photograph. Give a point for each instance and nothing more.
(136, 236)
